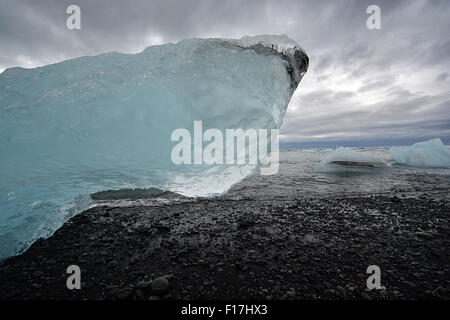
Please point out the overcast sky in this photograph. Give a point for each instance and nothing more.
(366, 86)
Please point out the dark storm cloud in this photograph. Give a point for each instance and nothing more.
(442, 77)
(361, 82)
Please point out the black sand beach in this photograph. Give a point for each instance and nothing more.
(221, 248)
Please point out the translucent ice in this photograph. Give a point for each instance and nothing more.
(105, 122)
(347, 160)
(431, 153)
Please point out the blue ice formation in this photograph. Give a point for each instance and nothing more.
(103, 122)
(427, 154)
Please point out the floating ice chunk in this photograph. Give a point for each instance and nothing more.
(431, 153)
(347, 160)
(105, 122)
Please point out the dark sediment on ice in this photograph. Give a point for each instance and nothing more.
(133, 194)
(222, 248)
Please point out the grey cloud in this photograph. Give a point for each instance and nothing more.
(360, 81)
(442, 77)
(386, 82)
(385, 119)
(343, 94)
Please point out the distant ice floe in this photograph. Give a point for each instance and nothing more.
(347, 160)
(317, 150)
(428, 154)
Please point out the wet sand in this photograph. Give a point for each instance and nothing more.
(223, 248)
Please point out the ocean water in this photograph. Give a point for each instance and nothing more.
(298, 177)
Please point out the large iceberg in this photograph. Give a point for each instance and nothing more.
(428, 154)
(346, 160)
(102, 122)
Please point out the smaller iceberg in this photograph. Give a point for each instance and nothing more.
(428, 154)
(347, 160)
